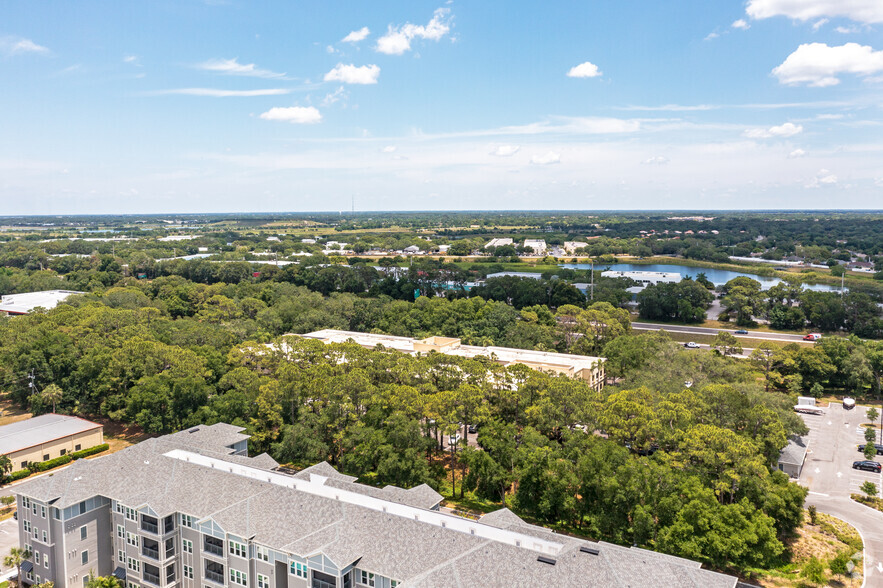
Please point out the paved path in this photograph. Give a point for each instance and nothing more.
(830, 478)
(711, 331)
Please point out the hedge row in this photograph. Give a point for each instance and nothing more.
(89, 451)
(42, 466)
(19, 475)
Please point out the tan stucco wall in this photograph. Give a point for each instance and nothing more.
(85, 440)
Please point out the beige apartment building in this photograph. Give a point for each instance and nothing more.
(46, 437)
(584, 367)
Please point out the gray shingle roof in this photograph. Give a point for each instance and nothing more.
(304, 523)
(795, 452)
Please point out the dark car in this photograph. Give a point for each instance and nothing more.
(741, 332)
(869, 466)
(861, 448)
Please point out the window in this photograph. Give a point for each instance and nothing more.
(84, 557)
(45, 457)
(121, 532)
(299, 569)
(131, 514)
(134, 565)
(83, 532)
(26, 525)
(187, 546)
(43, 511)
(34, 509)
(186, 521)
(170, 573)
(188, 572)
(132, 539)
(56, 514)
(121, 556)
(132, 585)
(37, 557)
(24, 465)
(77, 447)
(36, 534)
(45, 538)
(46, 562)
(366, 578)
(237, 549)
(25, 501)
(393, 583)
(120, 508)
(238, 577)
(64, 452)
(38, 579)
(262, 553)
(263, 581)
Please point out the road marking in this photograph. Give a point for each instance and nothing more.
(839, 475)
(818, 470)
(818, 493)
(880, 566)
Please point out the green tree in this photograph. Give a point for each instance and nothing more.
(52, 394)
(813, 571)
(870, 435)
(727, 343)
(870, 451)
(94, 581)
(16, 557)
(7, 501)
(5, 465)
(869, 488)
(872, 414)
(742, 296)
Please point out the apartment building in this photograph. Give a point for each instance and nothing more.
(585, 367)
(192, 510)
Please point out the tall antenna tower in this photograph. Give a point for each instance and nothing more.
(354, 203)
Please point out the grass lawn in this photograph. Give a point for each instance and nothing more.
(11, 413)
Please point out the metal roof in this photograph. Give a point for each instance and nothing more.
(39, 430)
(28, 301)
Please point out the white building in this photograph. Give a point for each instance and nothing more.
(498, 243)
(538, 245)
(25, 303)
(572, 246)
(645, 278)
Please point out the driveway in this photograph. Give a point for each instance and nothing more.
(8, 539)
(830, 478)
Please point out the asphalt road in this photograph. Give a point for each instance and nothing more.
(710, 331)
(830, 478)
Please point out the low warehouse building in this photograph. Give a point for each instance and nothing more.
(46, 437)
(793, 455)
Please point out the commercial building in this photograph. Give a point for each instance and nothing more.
(28, 301)
(644, 278)
(571, 246)
(537, 245)
(46, 437)
(585, 367)
(499, 243)
(192, 510)
(793, 456)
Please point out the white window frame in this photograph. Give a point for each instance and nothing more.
(187, 521)
(186, 546)
(366, 578)
(45, 538)
(84, 557)
(262, 553)
(84, 532)
(134, 564)
(188, 572)
(43, 511)
(238, 577)
(121, 532)
(121, 556)
(131, 514)
(238, 549)
(263, 581)
(133, 539)
(298, 569)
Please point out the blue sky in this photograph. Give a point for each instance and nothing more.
(215, 106)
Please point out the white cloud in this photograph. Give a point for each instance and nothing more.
(822, 179)
(217, 93)
(397, 40)
(584, 70)
(335, 96)
(867, 11)
(796, 154)
(852, 29)
(130, 58)
(294, 114)
(818, 65)
(878, 182)
(351, 74)
(786, 130)
(234, 68)
(388, 149)
(549, 158)
(505, 150)
(356, 36)
(819, 24)
(741, 24)
(20, 46)
(657, 160)
(711, 36)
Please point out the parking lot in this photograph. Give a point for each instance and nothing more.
(8, 538)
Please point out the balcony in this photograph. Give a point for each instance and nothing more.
(150, 578)
(213, 546)
(149, 524)
(214, 577)
(150, 552)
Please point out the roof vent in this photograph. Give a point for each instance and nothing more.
(546, 560)
(193, 430)
(589, 550)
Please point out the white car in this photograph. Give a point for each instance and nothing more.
(691, 345)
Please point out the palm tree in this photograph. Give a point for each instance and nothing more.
(5, 466)
(103, 581)
(52, 393)
(16, 557)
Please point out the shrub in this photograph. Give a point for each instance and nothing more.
(20, 474)
(42, 466)
(813, 514)
(814, 571)
(839, 565)
(90, 451)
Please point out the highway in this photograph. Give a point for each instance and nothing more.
(710, 331)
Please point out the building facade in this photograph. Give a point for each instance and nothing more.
(46, 437)
(191, 510)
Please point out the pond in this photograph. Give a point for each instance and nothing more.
(717, 276)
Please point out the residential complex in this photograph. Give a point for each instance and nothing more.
(192, 510)
(46, 437)
(585, 367)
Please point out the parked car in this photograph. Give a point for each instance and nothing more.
(472, 429)
(868, 466)
(691, 345)
(861, 448)
(454, 439)
(741, 332)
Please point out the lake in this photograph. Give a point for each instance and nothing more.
(717, 276)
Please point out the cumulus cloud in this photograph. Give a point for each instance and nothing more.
(822, 179)
(352, 74)
(356, 36)
(584, 70)
(397, 40)
(796, 154)
(234, 68)
(294, 114)
(549, 158)
(505, 150)
(657, 160)
(786, 130)
(818, 65)
(217, 93)
(20, 46)
(741, 24)
(867, 11)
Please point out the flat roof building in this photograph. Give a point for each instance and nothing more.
(537, 245)
(192, 510)
(644, 278)
(572, 246)
(28, 301)
(46, 437)
(499, 242)
(585, 367)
